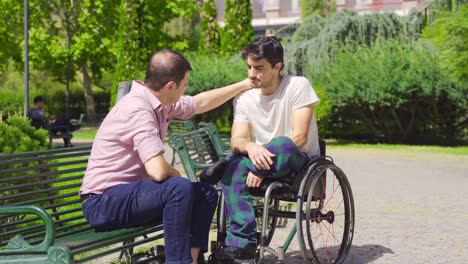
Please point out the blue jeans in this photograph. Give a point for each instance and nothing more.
(185, 208)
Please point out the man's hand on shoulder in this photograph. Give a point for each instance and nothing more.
(211, 99)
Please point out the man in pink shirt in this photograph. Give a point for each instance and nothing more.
(128, 182)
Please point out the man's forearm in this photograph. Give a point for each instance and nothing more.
(239, 145)
(211, 99)
(299, 140)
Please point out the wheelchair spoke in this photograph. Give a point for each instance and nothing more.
(328, 215)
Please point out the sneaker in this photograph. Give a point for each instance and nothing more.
(215, 172)
(236, 254)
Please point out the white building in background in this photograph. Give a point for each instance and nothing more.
(270, 15)
(400, 7)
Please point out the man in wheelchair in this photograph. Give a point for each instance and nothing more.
(274, 134)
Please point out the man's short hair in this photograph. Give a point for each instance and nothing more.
(38, 99)
(165, 66)
(268, 48)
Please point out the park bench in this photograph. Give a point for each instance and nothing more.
(197, 149)
(324, 209)
(179, 126)
(59, 131)
(41, 220)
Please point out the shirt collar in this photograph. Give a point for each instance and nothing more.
(138, 87)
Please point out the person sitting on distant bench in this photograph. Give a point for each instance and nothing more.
(55, 126)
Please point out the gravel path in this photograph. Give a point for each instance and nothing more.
(411, 207)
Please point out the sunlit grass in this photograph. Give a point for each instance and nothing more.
(458, 150)
(85, 133)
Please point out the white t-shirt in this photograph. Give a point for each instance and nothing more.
(270, 116)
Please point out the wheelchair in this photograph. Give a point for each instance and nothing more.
(323, 213)
(321, 193)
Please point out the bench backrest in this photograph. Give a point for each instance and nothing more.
(197, 149)
(49, 179)
(180, 126)
(123, 89)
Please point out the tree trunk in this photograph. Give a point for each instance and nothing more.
(88, 93)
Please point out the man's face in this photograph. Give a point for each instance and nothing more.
(261, 73)
(40, 105)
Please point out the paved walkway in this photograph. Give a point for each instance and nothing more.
(411, 207)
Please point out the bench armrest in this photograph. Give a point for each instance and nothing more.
(18, 244)
(200, 165)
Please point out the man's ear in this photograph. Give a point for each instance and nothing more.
(278, 66)
(170, 85)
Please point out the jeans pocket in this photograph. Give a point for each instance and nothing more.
(102, 223)
(98, 220)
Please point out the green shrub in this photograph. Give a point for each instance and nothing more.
(322, 111)
(17, 135)
(396, 91)
(316, 42)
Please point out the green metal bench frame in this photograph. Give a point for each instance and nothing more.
(197, 149)
(179, 126)
(41, 220)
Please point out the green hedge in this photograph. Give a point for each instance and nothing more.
(17, 135)
(394, 92)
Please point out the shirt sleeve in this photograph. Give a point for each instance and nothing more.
(146, 140)
(303, 94)
(183, 109)
(240, 113)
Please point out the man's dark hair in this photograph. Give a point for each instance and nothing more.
(38, 99)
(165, 66)
(268, 48)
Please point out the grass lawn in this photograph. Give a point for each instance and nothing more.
(459, 150)
(85, 133)
(90, 133)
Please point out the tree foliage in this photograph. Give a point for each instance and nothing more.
(210, 39)
(238, 30)
(317, 40)
(449, 33)
(142, 31)
(324, 8)
(10, 30)
(101, 34)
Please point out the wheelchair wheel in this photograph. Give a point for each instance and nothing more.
(272, 220)
(325, 214)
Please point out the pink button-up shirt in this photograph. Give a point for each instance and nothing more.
(132, 133)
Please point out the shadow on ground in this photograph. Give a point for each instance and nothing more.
(357, 255)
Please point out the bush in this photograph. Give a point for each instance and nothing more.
(17, 135)
(397, 92)
(322, 111)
